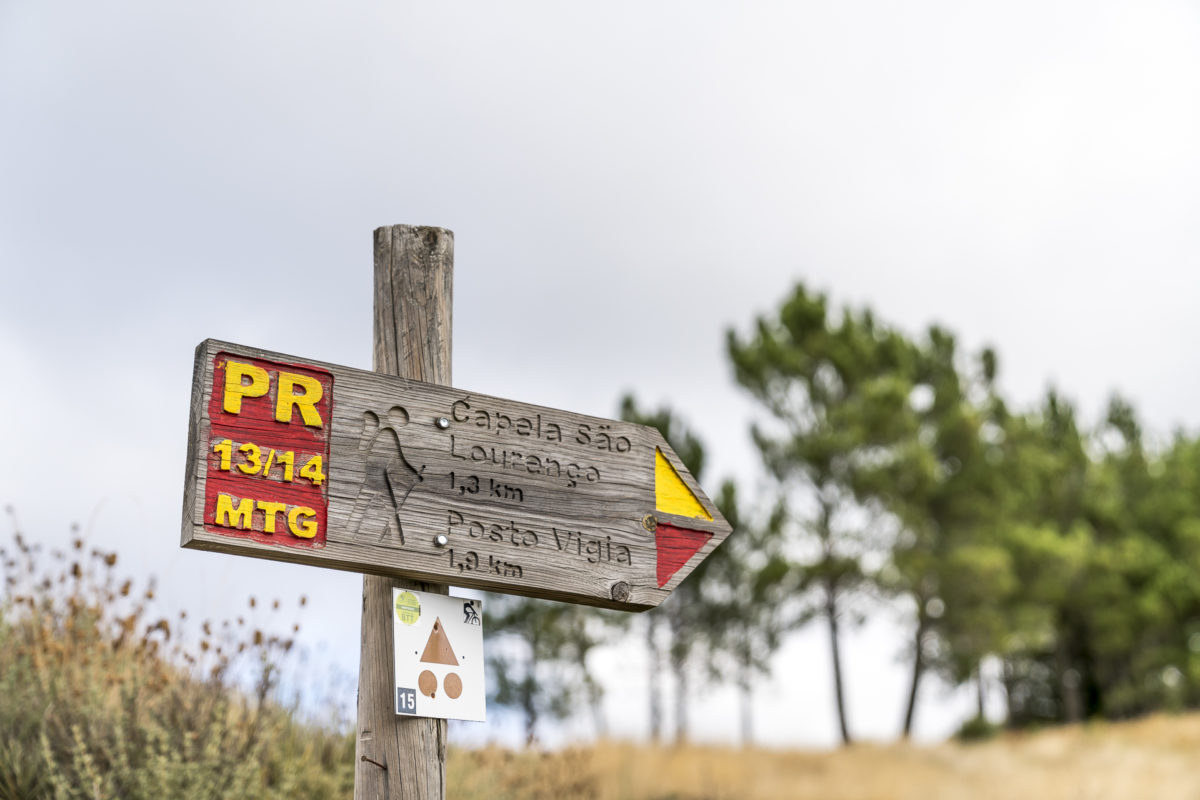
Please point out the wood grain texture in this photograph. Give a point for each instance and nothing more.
(414, 272)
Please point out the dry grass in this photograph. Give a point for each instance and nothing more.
(102, 697)
(1151, 758)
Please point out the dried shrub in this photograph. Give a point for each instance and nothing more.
(103, 696)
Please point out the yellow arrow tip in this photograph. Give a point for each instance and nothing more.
(671, 494)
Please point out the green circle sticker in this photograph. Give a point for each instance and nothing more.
(408, 608)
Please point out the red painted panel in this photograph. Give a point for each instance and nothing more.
(675, 546)
(253, 440)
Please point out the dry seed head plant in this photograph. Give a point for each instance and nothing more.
(103, 696)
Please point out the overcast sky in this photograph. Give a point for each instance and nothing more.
(626, 181)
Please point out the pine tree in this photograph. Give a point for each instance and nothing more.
(836, 390)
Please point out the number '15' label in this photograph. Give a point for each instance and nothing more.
(406, 700)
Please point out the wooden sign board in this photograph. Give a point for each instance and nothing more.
(296, 460)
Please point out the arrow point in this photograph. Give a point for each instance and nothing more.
(671, 494)
(675, 546)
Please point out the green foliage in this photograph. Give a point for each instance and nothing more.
(976, 729)
(538, 656)
(1066, 556)
(837, 389)
(99, 699)
(748, 607)
(733, 609)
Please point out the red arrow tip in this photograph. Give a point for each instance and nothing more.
(675, 546)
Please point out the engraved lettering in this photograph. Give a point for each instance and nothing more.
(597, 436)
(466, 484)
(522, 538)
(570, 543)
(594, 550)
(529, 463)
(470, 561)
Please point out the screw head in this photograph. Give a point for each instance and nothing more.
(649, 522)
(441, 540)
(442, 423)
(621, 591)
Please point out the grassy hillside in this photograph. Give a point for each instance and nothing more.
(1151, 758)
(102, 698)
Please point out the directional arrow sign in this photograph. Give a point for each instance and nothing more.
(297, 460)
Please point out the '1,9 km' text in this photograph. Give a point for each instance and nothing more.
(253, 463)
(470, 562)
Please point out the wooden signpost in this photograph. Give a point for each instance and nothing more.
(298, 460)
(396, 474)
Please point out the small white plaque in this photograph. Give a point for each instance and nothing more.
(439, 656)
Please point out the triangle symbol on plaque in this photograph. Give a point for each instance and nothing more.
(671, 494)
(675, 547)
(438, 649)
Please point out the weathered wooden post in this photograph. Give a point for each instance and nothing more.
(399, 756)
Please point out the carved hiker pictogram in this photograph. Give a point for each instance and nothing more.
(388, 480)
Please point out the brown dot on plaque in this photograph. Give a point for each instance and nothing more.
(427, 683)
(453, 685)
